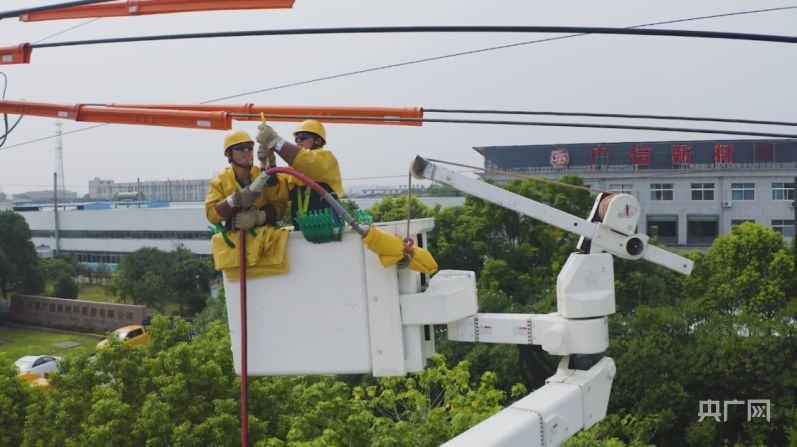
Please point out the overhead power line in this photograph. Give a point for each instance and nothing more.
(419, 61)
(433, 29)
(484, 50)
(19, 12)
(68, 29)
(522, 123)
(612, 115)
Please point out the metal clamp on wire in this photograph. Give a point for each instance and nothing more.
(409, 252)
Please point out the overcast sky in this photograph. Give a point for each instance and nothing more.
(616, 74)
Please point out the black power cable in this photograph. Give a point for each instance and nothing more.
(520, 123)
(435, 29)
(4, 137)
(612, 115)
(19, 12)
(483, 50)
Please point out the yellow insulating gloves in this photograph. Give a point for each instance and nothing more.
(391, 250)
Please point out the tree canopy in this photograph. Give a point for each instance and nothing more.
(21, 268)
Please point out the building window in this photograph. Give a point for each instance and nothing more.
(621, 188)
(785, 227)
(783, 191)
(743, 191)
(702, 230)
(741, 221)
(661, 191)
(702, 191)
(665, 228)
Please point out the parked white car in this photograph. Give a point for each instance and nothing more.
(38, 364)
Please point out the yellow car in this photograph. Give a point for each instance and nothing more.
(132, 335)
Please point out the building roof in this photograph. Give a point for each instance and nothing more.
(91, 205)
(661, 153)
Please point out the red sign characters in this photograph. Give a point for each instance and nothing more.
(722, 153)
(640, 155)
(599, 153)
(681, 154)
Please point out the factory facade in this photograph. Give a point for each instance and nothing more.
(690, 192)
(161, 190)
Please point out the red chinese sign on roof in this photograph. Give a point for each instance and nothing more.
(681, 154)
(640, 155)
(722, 153)
(593, 152)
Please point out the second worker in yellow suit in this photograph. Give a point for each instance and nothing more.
(307, 156)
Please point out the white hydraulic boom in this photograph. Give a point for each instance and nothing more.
(577, 396)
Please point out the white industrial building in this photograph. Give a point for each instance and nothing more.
(690, 192)
(161, 190)
(103, 232)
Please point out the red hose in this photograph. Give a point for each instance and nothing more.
(316, 187)
(242, 279)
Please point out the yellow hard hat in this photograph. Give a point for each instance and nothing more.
(314, 127)
(236, 136)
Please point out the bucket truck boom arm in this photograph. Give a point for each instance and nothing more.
(577, 396)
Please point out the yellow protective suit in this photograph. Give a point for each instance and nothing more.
(391, 250)
(225, 184)
(265, 252)
(319, 165)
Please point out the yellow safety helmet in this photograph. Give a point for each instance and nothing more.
(314, 127)
(234, 137)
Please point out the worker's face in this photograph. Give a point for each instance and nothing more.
(243, 153)
(306, 140)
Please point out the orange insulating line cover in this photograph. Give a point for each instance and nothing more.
(187, 119)
(18, 54)
(65, 111)
(320, 111)
(146, 7)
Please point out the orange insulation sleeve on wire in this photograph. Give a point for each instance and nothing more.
(320, 111)
(187, 119)
(17, 54)
(148, 7)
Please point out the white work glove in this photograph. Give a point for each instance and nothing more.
(244, 220)
(263, 154)
(243, 198)
(267, 137)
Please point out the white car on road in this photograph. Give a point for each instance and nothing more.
(38, 364)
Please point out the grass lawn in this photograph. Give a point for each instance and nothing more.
(16, 343)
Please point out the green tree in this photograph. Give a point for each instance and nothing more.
(3, 197)
(65, 287)
(350, 206)
(21, 269)
(391, 210)
(749, 270)
(424, 409)
(437, 190)
(188, 278)
(16, 396)
(139, 277)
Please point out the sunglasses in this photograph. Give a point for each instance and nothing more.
(243, 146)
(301, 136)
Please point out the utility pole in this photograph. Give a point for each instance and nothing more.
(138, 190)
(55, 208)
(59, 155)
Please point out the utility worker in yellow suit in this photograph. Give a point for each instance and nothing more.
(307, 156)
(229, 191)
